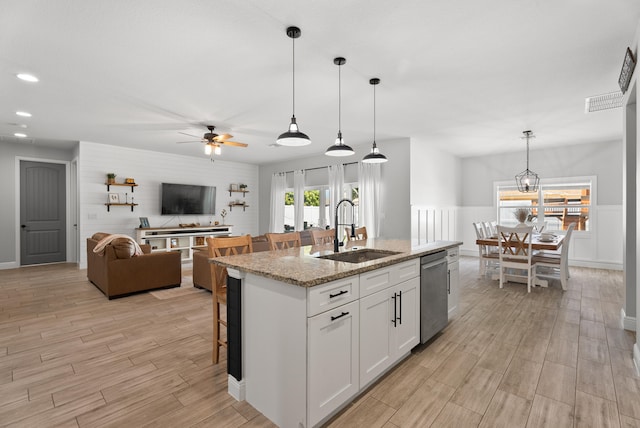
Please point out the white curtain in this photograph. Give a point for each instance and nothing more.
(336, 190)
(278, 188)
(369, 197)
(298, 199)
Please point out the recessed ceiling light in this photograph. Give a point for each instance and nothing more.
(27, 77)
(20, 135)
(23, 113)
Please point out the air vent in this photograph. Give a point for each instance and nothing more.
(603, 102)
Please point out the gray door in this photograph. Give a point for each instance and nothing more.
(42, 213)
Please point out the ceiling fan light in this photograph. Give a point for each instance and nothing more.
(207, 149)
(217, 150)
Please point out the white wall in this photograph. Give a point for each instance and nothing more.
(600, 248)
(436, 194)
(150, 169)
(395, 177)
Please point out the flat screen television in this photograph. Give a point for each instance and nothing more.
(188, 199)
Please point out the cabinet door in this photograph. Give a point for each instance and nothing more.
(453, 288)
(407, 328)
(333, 375)
(376, 322)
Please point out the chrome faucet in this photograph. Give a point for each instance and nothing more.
(336, 243)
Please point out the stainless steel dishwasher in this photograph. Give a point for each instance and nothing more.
(433, 294)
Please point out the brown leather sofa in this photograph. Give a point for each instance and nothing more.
(202, 270)
(118, 272)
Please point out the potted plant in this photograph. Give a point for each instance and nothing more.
(521, 214)
(111, 178)
(243, 187)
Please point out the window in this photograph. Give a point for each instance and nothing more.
(317, 212)
(558, 203)
(313, 215)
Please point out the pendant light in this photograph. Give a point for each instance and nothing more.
(375, 156)
(293, 137)
(339, 148)
(527, 180)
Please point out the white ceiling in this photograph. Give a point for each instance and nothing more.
(465, 76)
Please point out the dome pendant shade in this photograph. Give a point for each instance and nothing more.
(293, 137)
(375, 156)
(528, 181)
(339, 148)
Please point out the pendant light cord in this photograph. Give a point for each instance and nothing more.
(374, 115)
(293, 66)
(339, 100)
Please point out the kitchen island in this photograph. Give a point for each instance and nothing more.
(307, 334)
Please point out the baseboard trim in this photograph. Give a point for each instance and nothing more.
(636, 358)
(627, 323)
(237, 389)
(9, 265)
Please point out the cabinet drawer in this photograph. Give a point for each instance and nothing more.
(333, 294)
(406, 270)
(376, 280)
(452, 255)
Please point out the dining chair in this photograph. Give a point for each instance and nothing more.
(488, 256)
(554, 264)
(488, 233)
(218, 247)
(360, 232)
(323, 236)
(514, 250)
(281, 241)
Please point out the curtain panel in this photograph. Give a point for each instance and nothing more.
(298, 199)
(278, 188)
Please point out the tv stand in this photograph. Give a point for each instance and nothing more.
(182, 239)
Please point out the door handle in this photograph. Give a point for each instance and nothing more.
(23, 226)
(395, 310)
(448, 282)
(400, 317)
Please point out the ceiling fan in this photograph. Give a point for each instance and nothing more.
(213, 141)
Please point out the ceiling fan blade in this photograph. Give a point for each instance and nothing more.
(233, 143)
(185, 142)
(190, 135)
(222, 137)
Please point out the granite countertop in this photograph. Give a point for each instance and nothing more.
(302, 267)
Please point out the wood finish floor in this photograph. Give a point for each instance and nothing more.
(69, 357)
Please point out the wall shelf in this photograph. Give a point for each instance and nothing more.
(232, 191)
(238, 205)
(109, 205)
(132, 185)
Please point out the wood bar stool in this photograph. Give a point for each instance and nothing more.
(281, 241)
(218, 247)
(323, 236)
(361, 233)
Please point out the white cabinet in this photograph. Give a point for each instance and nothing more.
(389, 324)
(453, 281)
(181, 239)
(332, 360)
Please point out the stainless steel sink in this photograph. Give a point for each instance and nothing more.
(359, 256)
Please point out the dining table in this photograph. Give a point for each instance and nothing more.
(536, 244)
